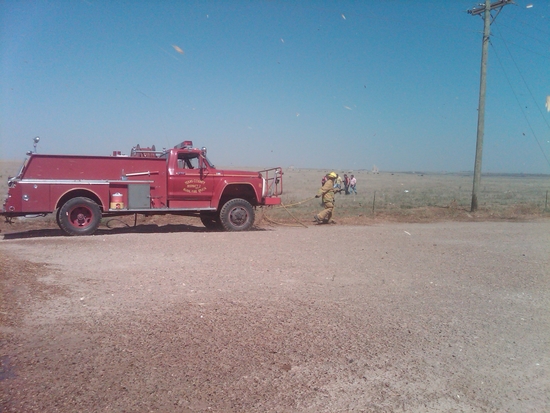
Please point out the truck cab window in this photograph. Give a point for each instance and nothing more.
(188, 161)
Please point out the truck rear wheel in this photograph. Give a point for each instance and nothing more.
(237, 215)
(211, 220)
(57, 217)
(79, 216)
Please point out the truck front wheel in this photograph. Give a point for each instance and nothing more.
(79, 216)
(237, 215)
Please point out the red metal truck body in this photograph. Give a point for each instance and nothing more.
(176, 181)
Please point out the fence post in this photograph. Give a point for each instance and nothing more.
(374, 200)
(546, 202)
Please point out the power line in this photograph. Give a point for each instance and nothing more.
(544, 42)
(523, 47)
(524, 23)
(521, 106)
(523, 79)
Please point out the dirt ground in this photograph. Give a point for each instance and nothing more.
(440, 317)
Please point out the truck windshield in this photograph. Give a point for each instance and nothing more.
(210, 164)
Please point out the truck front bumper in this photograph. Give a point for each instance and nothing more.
(272, 201)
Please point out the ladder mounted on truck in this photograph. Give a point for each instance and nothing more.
(151, 152)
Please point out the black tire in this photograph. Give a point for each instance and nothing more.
(237, 215)
(57, 217)
(211, 220)
(79, 216)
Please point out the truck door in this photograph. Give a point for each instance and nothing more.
(191, 185)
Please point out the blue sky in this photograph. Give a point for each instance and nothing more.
(312, 84)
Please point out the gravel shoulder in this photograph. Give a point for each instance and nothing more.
(398, 317)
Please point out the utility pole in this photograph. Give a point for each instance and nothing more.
(486, 10)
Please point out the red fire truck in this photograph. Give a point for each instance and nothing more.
(180, 181)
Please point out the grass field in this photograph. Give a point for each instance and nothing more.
(386, 196)
(421, 196)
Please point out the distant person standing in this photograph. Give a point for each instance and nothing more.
(327, 194)
(352, 184)
(338, 184)
(346, 183)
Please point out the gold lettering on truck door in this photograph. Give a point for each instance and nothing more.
(194, 186)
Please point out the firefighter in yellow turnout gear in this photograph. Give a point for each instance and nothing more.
(327, 194)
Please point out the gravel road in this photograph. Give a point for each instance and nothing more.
(442, 317)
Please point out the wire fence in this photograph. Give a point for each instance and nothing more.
(402, 193)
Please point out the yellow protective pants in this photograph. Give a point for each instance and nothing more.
(326, 214)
